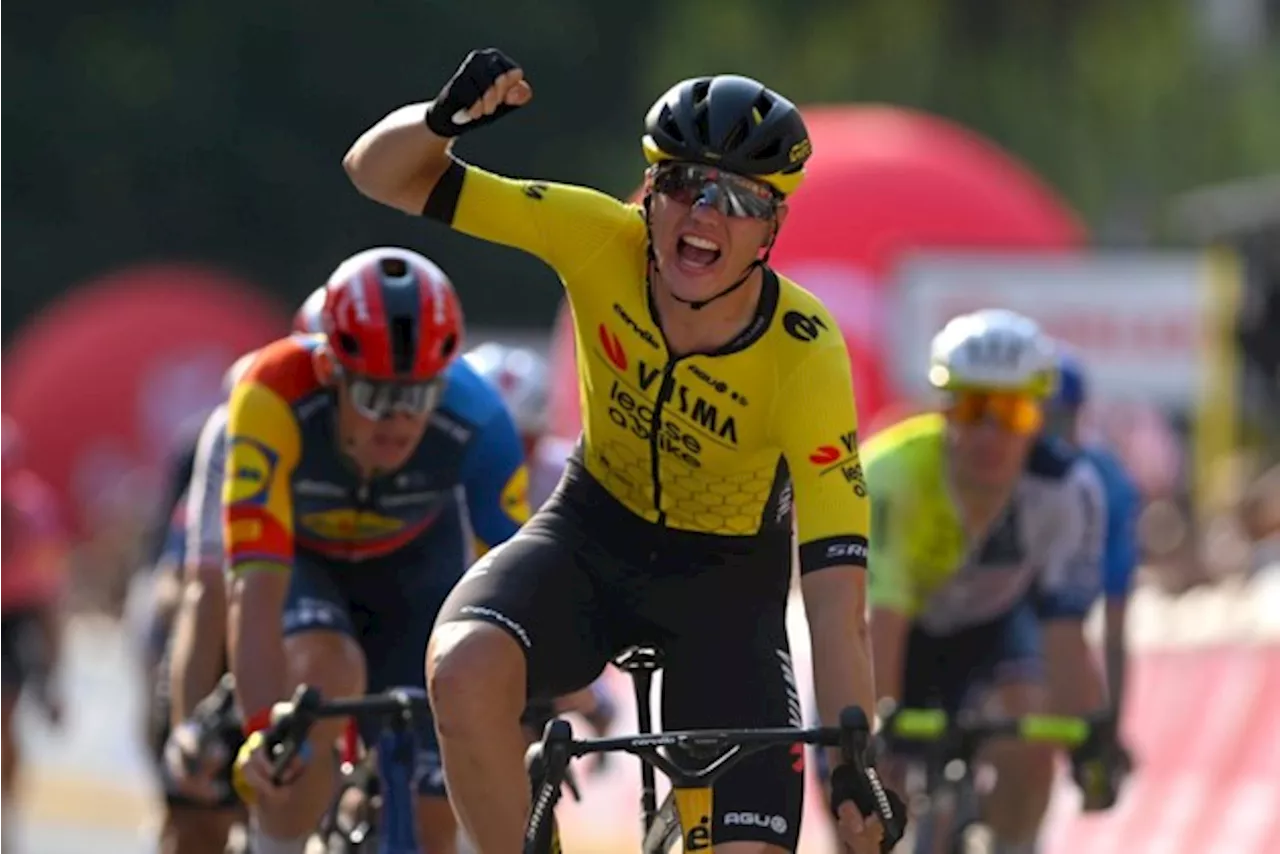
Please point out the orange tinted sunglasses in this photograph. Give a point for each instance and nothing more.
(1017, 413)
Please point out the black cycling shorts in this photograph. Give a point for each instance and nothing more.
(585, 579)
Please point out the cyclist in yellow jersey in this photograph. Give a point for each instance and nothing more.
(715, 395)
(979, 525)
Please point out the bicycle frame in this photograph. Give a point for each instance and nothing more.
(397, 748)
(396, 751)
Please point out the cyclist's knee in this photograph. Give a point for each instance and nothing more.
(437, 828)
(331, 662)
(475, 678)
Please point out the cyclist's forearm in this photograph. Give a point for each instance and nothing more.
(1075, 685)
(1115, 652)
(840, 639)
(255, 636)
(888, 644)
(399, 160)
(199, 642)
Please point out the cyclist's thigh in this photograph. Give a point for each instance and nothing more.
(1016, 653)
(730, 666)
(538, 587)
(1015, 663)
(936, 669)
(320, 637)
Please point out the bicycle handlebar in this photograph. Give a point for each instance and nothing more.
(961, 736)
(727, 746)
(291, 722)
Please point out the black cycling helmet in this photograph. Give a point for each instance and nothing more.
(731, 122)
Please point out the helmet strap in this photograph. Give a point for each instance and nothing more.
(699, 304)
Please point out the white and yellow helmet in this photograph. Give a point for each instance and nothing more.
(993, 350)
(522, 378)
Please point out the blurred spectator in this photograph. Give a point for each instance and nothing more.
(33, 551)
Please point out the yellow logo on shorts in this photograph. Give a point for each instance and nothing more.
(515, 496)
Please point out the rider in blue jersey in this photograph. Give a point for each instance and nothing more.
(1120, 554)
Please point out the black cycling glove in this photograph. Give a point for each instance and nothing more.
(871, 797)
(468, 84)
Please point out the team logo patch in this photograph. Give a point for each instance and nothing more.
(350, 524)
(250, 467)
(515, 496)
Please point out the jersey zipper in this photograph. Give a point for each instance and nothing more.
(665, 391)
(363, 503)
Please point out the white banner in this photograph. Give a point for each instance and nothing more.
(1140, 321)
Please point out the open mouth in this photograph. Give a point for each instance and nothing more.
(697, 252)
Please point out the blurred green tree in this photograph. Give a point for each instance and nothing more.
(214, 131)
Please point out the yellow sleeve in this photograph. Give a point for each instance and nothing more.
(562, 224)
(890, 585)
(816, 423)
(263, 446)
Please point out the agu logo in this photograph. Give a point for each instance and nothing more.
(250, 466)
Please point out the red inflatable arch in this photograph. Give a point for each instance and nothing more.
(105, 380)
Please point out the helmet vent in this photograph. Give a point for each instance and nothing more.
(741, 130)
(348, 343)
(702, 122)
(394, 268)
(669, 126)
(402, 344)
(448, 347)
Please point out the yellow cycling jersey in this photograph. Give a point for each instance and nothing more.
(1046, 543)
(716, 443)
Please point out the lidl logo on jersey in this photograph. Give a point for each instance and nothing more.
(515, 496)
(350, 524)
(250, 465)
